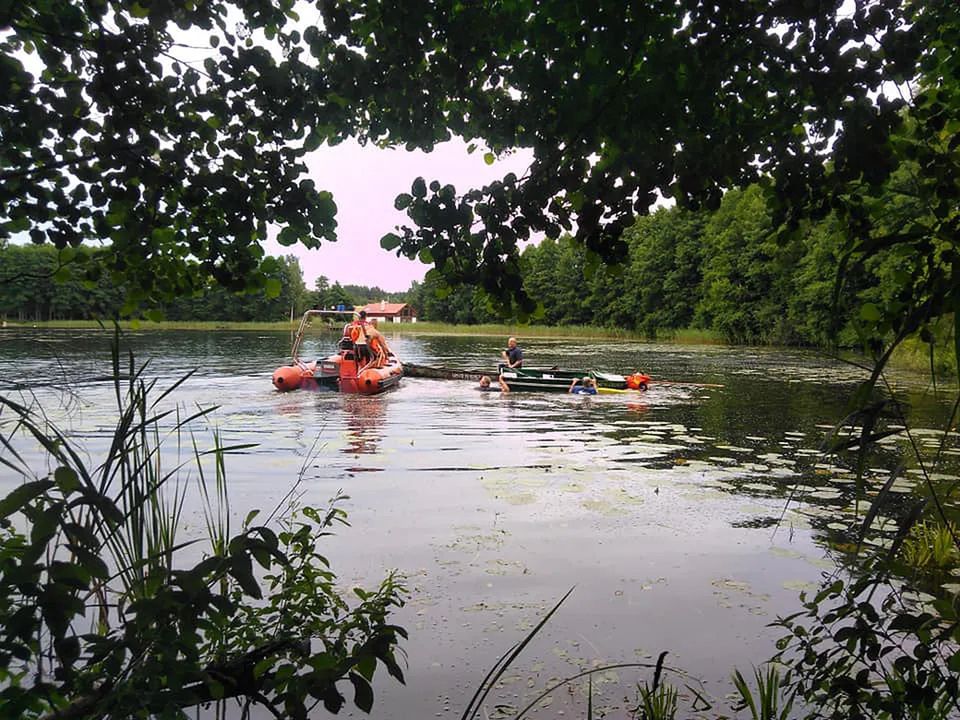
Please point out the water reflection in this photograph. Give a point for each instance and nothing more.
(364, 418)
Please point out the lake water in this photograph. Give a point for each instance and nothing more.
(686, 518)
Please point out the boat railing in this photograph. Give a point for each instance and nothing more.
(305, 321)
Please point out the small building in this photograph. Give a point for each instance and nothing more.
(390, 312)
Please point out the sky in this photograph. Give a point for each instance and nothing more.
(364, 181)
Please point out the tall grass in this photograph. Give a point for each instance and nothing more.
(940, 360)
(657, 703)
(773, 700)
(505, 330)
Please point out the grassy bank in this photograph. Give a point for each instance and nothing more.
(915, 355)
(543, 331)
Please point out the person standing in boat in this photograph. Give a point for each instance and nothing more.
(513, 355)
(587, 386)
(359, 331)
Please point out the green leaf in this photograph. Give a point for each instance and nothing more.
(367, 666)
(91, 563)
(362, 692)
(325, 204)
(241, 569)
(288, 236)
(312, 141)
(870, 312)
(19, 497)
(18, 225)
(489, 158)
(68, 649)
(67, 479)
(403, 201)
(139, 11)
(390, 241)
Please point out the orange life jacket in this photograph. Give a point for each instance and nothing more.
(356, 329)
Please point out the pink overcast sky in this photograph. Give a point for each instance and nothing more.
(364, 182)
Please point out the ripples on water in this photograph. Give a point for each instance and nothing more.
(668, 511)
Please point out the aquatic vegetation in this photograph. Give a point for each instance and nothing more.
(106, 611)
(867, 644)
(854, 652)
(773, 699)
(931, 545)
(657, 702)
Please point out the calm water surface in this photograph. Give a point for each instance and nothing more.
(660, 509)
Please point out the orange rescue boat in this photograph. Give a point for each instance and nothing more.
(362, 364)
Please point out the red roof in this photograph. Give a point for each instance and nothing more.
(385, 308)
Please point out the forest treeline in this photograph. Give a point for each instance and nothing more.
(730, 271)
(726, 271)
(36, 285)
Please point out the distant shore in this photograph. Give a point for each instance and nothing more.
(688, 337)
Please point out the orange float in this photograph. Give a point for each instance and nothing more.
(291, 377)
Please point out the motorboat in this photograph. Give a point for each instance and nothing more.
(362, 364)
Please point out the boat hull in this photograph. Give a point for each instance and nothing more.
(557, 379)
(340, 372)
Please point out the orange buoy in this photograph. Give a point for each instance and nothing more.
(291, 377)
(287, 377)
(374, 380)
(638, 381)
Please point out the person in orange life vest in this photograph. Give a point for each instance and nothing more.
(378, 343)
(356, 331)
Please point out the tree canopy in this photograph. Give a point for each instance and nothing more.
(111, 132)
